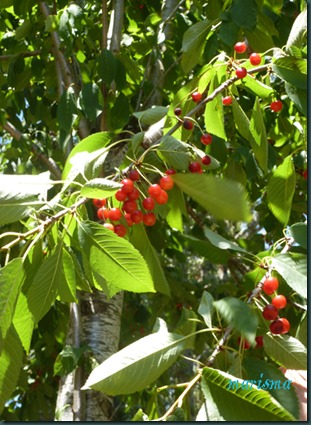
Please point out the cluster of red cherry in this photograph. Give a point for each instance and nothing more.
(279, 325)
(133, 209)
(240, 72)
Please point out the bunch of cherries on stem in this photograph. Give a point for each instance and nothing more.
(135, 208)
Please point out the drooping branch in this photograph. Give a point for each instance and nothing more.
(64, 69)
(254, 294)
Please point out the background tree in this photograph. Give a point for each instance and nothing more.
(200, 108)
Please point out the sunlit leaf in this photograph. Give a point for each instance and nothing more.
(125, 371)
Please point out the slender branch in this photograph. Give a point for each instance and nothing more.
(179, 401)
(255, 293)
(43, 225)
(67, 77)
(104, 43)
(4, 58)
(65, 70)
(78, 406)
(116, 26)
(13, 131)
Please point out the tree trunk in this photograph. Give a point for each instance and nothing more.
(99, 325)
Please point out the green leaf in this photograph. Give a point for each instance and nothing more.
(193, 43)
(11, 359)
(206, 308)
(299, 97)
(214, 118)
(125, 371)
(21, 194)
(67, 360)
(298, 232)
(85, 153)
(44, 288)
(298, 32)
(177, 208)
(257, 87)
(206, 249)
(151, 115)
(67, 287)
(120, 112)
(239, 316)
(11, 279)
(243, 125)
(222, 243)
(174, 152)
(120, 264)
(257, 369)
(90, 100)
(286, 351)
(140, 241)
(258, 131)
(280, 190)
(293, 269)
(244, 16)
(224, 199)
(66, 110)
(23, 321)
(239, 402)
(100, 188)
(107, 66)
(293, 70)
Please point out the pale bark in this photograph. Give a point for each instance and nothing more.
(99, 322)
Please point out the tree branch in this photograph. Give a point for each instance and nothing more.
(116, 26)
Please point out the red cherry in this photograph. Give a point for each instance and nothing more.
(134, 194)
(129, 206)
(305, 174)
(270, 312)
(188, 124)
(196, 96)
(128, 219)
(206, 139)
(103, 213)
(109, 226)
(166, 182)
(195, 167)
(99, 202)
(120, 195)
(227, 100)
(279, 301)
(280, 326)
(206, 160)
(170, 171)
(241, 72)
(255, 59)
(154, 190)
(127, 185)
(162, 198)
(240, 47)
(114, 214)
(149, 219)
(137, 216)
(276, 106)
(177, 111)
(286, 325)
(148, 203)
(134, 175)
(270, 285)
(120, 230)
(245, 343)
(259, 341)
